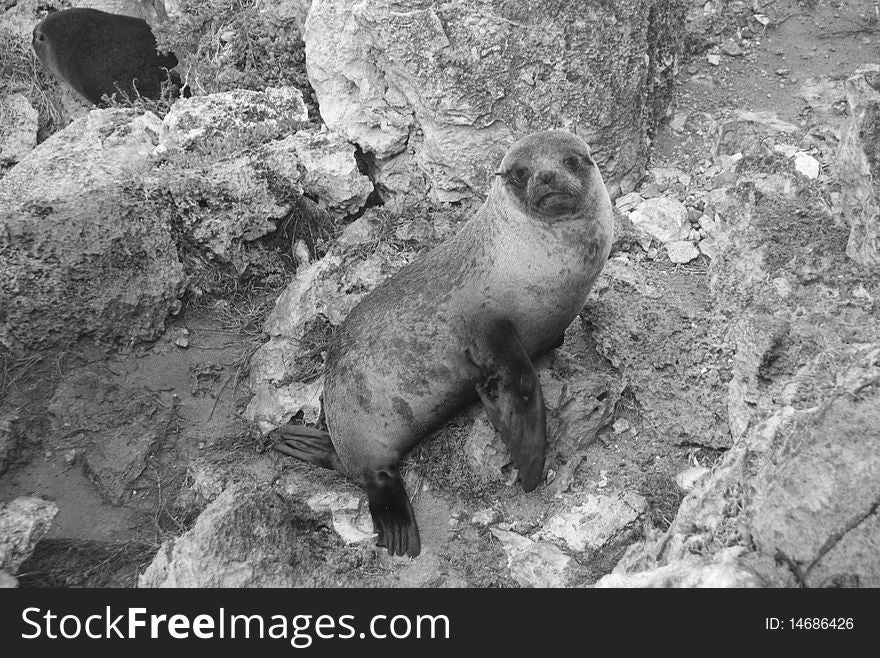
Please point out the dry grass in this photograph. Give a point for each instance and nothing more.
(159, 106)
(85, 563)
(22, 72)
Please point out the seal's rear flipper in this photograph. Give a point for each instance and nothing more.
(511, 392)
(308, 444)
(392, 513)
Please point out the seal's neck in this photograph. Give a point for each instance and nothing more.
(510, 221)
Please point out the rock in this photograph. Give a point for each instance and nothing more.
(331, 175)
(665, 177)
(437, 92)
(679, 120)
(79, 252)
(593, 520)
(620, 425)
(240, 117)
(713, 58)
(663, 219)
(18, 128)
(681, 251)
(351, 516)
(8, 441)
(246, 538)
(226, 202)
(797, 492)
(708, 224)
(816, 503)
(650, 190)
(691, 571)
(858, 166)
(747, 133)
(486, 516)
(807, 165)
(628, 201)
(732, 48)
(826, 99)
(23, 522)
(533, 564)
(724, 179)
(759, 338)
(688, 478)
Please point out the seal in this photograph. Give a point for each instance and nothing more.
(464, 322)
(98, 53)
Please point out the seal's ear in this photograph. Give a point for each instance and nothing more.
(511, 392)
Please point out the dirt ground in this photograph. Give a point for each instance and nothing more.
(180, 399)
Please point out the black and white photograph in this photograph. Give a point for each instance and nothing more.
(374, 295)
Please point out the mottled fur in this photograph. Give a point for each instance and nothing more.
(407, 357)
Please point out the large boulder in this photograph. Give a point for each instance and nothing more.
(247, 538)
(240, 163)
(78, 254)
(859, 166)
(435, 92)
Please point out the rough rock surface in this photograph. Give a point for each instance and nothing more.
(70, 216)
(795, 499)
(750, 132)
(681, 251)
(446, 87)
(859, 166)
(18, 128)
(533, 563)
(247, 538)
(239, 117)
(23, 522)
(226, 201)
(663, 219)
(591, 521)
(691, 571)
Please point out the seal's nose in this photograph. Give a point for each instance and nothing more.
(38, 36)
(546, 176)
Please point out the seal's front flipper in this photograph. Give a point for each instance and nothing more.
(392, 513)
(511, 392)
(308, 444)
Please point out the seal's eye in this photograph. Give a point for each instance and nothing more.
(573, 163)
(520, 175)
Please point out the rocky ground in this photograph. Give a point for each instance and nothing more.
(728, 335)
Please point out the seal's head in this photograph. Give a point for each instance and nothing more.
(550, 175)
(42, 42)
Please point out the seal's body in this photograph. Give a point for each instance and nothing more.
(98, 53)
(465, 321)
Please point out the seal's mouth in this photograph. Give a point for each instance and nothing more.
(554, 202)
